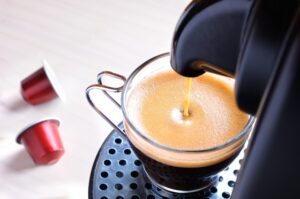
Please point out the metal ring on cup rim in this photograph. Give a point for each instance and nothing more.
(130, 123)
(18, 139)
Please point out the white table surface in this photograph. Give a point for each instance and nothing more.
(79, 39)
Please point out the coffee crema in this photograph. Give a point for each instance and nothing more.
(155, 107)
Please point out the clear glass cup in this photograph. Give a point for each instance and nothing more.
(180, 171)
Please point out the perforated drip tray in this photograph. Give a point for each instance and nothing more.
(118, 174)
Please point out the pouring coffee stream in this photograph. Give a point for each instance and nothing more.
(186, 102)
(202, 68)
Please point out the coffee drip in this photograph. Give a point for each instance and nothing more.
(186, 102)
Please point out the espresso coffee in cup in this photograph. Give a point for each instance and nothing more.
(155, 108)
(182, 149)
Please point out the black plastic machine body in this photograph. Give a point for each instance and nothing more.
(257, 42)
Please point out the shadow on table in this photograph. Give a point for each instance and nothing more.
(13, 101)
(21, 161)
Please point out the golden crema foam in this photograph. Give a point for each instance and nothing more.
(155, 107)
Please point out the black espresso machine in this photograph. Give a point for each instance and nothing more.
(258, 43)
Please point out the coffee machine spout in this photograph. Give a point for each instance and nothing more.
(208, 34)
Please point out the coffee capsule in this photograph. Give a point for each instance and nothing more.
(41, 86)
(42, 141)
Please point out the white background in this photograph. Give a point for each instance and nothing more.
(79, 39)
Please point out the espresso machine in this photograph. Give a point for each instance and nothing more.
(258, 43)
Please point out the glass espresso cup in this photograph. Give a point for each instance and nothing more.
(175, 170)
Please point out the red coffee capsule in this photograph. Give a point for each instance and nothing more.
(41, 86)
(42, 141)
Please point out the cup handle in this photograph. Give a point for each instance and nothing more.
(105, 89)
